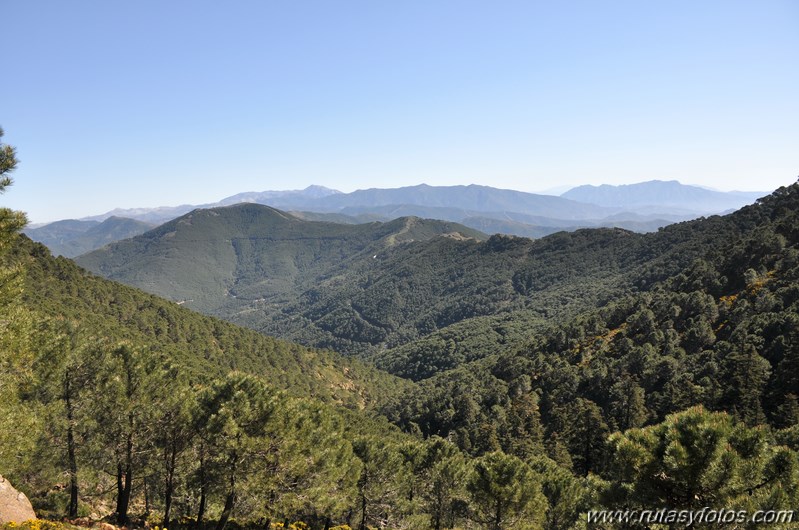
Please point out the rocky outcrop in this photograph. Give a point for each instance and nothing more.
(14, 505)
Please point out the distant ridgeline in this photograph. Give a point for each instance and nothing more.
(642, 207)
(72, 238)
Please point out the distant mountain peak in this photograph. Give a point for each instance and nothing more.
(315, 189)
(661, 194)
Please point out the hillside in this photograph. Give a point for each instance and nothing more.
(562, 275)
(360, 288)
(720, 332)
(57, 288)
(113, 399)
(514, 223)
(253, 264)
(366, 289)
(72, 238)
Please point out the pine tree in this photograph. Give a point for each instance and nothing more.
(17, 419)
(746, 374)
(66, 366)
(11, 222)
(131, 385)
(697, 458)
(380, 480)
(585, 435)
(303, 466)
(504, 493)
(628, 404)
(173, 433)
(232, 418)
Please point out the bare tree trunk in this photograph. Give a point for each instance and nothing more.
(73, 462)
(124, 498)
(229, 501)
(170, 484)
(203, 490)
(363, 513)
(498, 516)
(120, 487)
(146, 499)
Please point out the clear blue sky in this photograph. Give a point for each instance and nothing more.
(146, 103)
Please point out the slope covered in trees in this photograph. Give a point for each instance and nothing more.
(56, 288)
(227, 260)
(396, 292)
(123, 404)
(364, 288)
(117, 401)
(721, 333)
(582, 269)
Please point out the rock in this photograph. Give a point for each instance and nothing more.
(14, 505)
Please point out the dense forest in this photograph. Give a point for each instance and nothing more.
(414, 297)
(599, 369)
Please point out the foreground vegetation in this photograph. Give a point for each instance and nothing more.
(678, 392)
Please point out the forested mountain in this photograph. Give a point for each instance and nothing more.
(722, 332)
(662, 196)
(56, 288)
(72, 238)
(585, 271)
(103, 384)
(620, 371)
(262, 266)
(353, 289)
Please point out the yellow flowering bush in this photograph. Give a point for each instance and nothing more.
(36, 524)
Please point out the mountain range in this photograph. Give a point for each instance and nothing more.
(368, 288)
(642, 207)
(659, 196)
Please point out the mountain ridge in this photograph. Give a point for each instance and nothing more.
(660, 193)
(642, 207)
(71, 238)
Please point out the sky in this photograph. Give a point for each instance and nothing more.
(149, 103)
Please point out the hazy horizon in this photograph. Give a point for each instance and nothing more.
(152, 104)
(557, 191)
